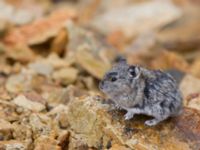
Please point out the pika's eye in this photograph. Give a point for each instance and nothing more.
(113, 79)
(112, 76)
(131, 71)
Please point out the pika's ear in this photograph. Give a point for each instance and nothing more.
(134, 71)
(137, 71)
(120, 59)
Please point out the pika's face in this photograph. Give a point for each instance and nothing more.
(121, 79)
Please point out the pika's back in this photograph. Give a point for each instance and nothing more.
(162, 89)
(161, 81)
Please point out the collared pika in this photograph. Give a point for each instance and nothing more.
(142, 91)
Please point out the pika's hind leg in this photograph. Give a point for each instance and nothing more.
(159, 115)
(152, 122)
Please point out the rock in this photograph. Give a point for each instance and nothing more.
(64, 95)
(18, 83)
(189, 85)
(96, 126)
(4, 94)
(5, 130)
(143, 43)
(194, 70)
(35, 97)
(46, 143)
(40, 30)
(188, 44)
(187, 126)
(12, 145)
(89, 51)
(2, 46)
(59, 43)
(117, 147)
(143, 17)
(41, 68)
(90, 63)
(170, 60)
(41, 125)
(26, 103)
(33, 128)
(16, 16)
(89, 83)
(21, 53)
(194, 103)
(117, 39)
(77, 143)
(57, 62)
(23, 132)
(65, 75)
(3, 26)
(8, 111)
(63, 139)
(44, 132)
(27, 80)
(58, 114)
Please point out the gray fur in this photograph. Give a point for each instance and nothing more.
(141, 91)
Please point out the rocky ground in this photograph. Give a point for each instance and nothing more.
(54, 53)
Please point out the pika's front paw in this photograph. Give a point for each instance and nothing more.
(117, 107)
(152, 122)
(129, 115)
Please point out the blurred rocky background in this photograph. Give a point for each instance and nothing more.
(53, 53)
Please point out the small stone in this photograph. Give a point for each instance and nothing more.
(195, 68)
(60, 96)
(23, 131)
(46, 143)
(78, 144)
(66, 75)
(17, 83)
(26, 103)
(59, 43)
(194, 102)
(35, 97)
(41, 125)
(57, 62)
(12, 145)
(63, 139)
(5, 130)
(21, 53)
(41, 68)
(8, 111)
(189, 85)
(59, 114)
(119, 147)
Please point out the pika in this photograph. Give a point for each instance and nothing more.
(141, 91)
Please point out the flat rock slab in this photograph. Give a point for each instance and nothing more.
(92, 122)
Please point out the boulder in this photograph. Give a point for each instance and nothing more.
(97, 126)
